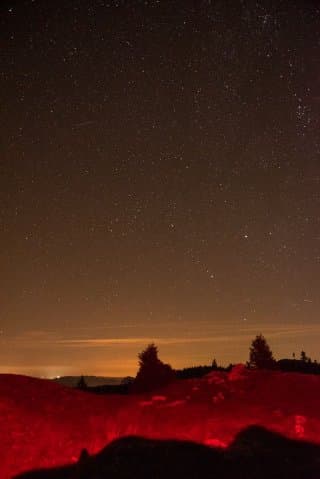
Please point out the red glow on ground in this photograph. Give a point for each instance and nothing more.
(43, 424)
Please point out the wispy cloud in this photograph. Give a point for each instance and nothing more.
(95, 342)
(243, 335)
(212, 335)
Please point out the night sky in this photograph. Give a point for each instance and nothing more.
(160, 181)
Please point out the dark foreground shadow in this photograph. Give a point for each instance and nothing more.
(256, 453)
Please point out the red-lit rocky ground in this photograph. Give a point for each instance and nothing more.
(43, 424)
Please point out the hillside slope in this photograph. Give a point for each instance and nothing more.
(43, 424)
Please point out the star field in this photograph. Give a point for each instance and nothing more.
(160, 180)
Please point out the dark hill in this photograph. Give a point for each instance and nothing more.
(256, 453)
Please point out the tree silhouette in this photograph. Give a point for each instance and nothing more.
(260, 354)
(149, 356)
(152, 373)
(82, 383)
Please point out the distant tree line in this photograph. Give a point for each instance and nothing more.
(153, 373)
(260, 357)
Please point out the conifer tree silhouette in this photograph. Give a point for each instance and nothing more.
(152, 371)
(260, 354)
